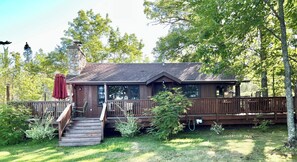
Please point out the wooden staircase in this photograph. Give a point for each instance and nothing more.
(82, 132)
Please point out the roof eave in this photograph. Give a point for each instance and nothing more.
(104, 82)
(163, 74)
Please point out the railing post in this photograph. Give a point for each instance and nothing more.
(55, 112)
(274, 109)
(217, 109)
(60, 130)
(103, 119)
(246, 109)
(42, 109)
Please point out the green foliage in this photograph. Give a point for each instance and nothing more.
(128, 128)
(264, 125)
(170, 104)
(41, 129)
(27, 80)
(217, 128)
(229, 37)
(100, 41)
(13, 124)
(30, 80)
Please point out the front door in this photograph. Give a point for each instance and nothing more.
(90, 95)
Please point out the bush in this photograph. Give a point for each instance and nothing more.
(128, 128)
(13, 122)
(170, 104)
(264, 125)
(217, 128)
(41, 129)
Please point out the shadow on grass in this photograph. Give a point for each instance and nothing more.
(240, 144)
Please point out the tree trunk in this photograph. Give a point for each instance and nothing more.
(273, 82)
(264, 85)
(288, 82)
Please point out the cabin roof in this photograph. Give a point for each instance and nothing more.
(145, 73)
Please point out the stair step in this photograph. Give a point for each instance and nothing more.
(83, 135)
(73, 140)
(81, 131)
(84, 128)
(86, 119)
(87, 124)
(78, 143)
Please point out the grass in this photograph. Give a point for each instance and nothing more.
(236, 144)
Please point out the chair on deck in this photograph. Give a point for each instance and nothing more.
(82, 110)
(129, 106)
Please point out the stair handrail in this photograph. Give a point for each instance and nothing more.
(103, 119)
(64, 119)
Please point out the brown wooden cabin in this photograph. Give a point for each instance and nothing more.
(214, 98)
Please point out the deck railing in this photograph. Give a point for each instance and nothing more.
(203, 106)
(103, 120)
(122, 107)
(39, 108)
(238, 105)
(64, 119)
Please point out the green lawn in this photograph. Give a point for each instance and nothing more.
(236, 144)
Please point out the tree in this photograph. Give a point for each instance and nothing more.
(288, 83)
(100, 41)
(26, 79)
(222, 34)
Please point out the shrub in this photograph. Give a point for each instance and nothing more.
(170, 104)
(41, 129)
(13, 122)
(128, 128)
(264, 125)
(217, 128)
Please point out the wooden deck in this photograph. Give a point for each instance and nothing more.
(222, 110)
(39, 108)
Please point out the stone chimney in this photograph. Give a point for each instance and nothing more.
(77, 59)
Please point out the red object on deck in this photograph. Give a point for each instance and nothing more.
(60, 90)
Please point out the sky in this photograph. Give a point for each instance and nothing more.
(41, 23)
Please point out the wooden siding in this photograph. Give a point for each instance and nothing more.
(165, 79)
(89, 93)
(208, 90)
(145, 92)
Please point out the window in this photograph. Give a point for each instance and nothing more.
(191, 90)
(101, 95)
(123, 92)
(225, 91)
(159, 87)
